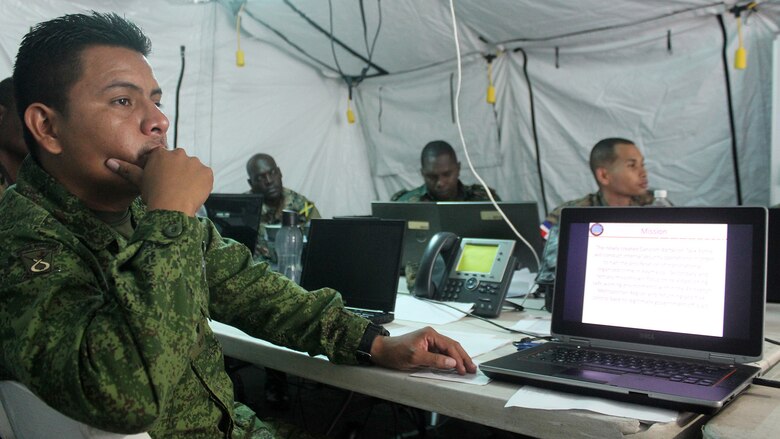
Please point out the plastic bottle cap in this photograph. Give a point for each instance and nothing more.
(659, 193)
(289, 218)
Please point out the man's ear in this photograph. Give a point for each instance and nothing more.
(42, 122)
(602, 177)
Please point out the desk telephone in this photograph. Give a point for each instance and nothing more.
(474, 271)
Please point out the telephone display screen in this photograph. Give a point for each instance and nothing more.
(477, 258)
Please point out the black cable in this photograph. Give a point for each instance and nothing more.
(606, 28)
(734, 155)
(773, 341)
(287, 40)
(178, 91)
(340, 413)
(766, 383)
(333, 37)
(514, 331)
(533, 128)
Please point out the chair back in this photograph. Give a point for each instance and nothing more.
(25, 416)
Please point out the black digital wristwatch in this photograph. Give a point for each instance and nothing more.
(363, 353)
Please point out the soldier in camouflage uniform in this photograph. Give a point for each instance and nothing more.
(619, 169)
(12, 147)
(440, 170)
(105, 296)
(265, 178)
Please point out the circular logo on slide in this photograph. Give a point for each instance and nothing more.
(596, 229)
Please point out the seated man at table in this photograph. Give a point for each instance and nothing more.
(265, 178)
(440, 170)
(109, 280)
(619, 169)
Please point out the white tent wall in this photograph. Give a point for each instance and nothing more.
(615, 82)
(278, 105)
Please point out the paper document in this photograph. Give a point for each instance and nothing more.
(417, 310)
(539, 327)
(478, 378)
(521, 283)
(537, 398)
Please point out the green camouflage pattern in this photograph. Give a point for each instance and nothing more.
(474, 192)
(264, 249)
(595, 199)
(115, 333)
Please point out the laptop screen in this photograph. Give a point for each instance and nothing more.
(687, 278)
(358, 257)
(236, 216)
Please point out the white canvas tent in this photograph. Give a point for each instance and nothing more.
(566, 74)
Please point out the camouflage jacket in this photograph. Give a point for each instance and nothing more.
(114, 332)
(291, 200)
(595, 199)
(474, 192)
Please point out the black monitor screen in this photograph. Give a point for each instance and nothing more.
(236, 216)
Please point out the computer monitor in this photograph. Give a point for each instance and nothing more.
(480, 219)
(422, 222)
(773, 256)
(236, 216)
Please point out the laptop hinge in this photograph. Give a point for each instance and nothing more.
(579, 342)
(721, 359)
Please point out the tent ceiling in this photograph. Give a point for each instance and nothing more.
(416, 34)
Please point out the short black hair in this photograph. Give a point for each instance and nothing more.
(603, 153)
(48, 63)
(7, 93)
(435, 149)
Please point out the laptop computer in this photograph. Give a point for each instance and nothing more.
(422, 222)
(358, 257)
(773, 256)
(680, 290)
(482, 220)
(236, 216)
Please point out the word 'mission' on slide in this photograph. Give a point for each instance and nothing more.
(665, 277)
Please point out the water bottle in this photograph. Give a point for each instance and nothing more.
(289, 245)
(659, 199)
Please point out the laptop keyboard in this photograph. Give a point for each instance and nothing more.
(686, 372)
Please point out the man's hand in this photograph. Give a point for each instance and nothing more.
(424, 347)
(170, 180)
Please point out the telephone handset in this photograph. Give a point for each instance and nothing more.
(470, 270)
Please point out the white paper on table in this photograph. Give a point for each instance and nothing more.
(521, 283)
(479, 378)
(539, 326)
(537, 398)
(416, 310)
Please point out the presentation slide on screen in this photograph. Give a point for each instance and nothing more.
(666, 277)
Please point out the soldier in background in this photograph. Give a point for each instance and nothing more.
(109, 281)
(619, 169)
(12, 147)
(265, 178)
(440, 170)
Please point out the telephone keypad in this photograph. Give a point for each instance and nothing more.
(481, 292)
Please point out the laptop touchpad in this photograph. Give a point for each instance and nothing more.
(589, 375)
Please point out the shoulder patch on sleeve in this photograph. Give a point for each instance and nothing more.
(38, 259)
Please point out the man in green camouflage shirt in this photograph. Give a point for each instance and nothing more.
(619, 169)
(265, 178)
(108, 280)
(440, 170)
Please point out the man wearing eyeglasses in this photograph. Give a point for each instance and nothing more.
(265, 178)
